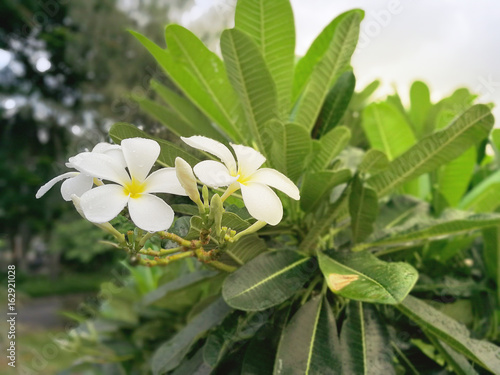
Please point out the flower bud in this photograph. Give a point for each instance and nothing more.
(186, 178)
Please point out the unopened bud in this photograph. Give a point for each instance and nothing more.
(187, 179)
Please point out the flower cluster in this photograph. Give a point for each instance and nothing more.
(112, 177)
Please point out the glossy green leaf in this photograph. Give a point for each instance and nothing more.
(234, 329)
(208, 71)
(452, 333)
(271, 26)
(365, 341)
(484, 196)
(387, 129)
(193, 365)
(310, 343)
(251, 80)
(363, 277)
(177, 284)
(436, 149)
(458, 362)
(453, 222)
(329, 146)
(491, 254)
(316, 187)
(260, 354)
(168, 153)
(289, 146)
(363, 207)
(420, 104)
(336, 103)
(327, 70)
(315, 53)
(373, 161)
(169, 354)
(167, 117)
(267, 280)
(454, 178)
(187, 111)
(210, 90)
(246, 249)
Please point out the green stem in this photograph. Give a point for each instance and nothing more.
(165, 261)
(310, 288)
(251, 229)
(146, 237)
(222, 266)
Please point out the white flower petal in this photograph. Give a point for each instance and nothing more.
(114, 151)
(140, 155)
(164, 181)
(249, 160)
(150, 213)
(76, 186)
(100, 166)
(262, 203)
(103, 203)
(102, 147)
(276, 180)
(213, 174)
(186, 178)
(47, 186)
(213, 147)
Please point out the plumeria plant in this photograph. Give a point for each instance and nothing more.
(313, 215)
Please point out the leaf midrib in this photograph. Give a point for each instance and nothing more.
(443, 145)
(274, 275)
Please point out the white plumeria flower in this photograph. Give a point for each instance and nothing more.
(133, 188)
(261, 202)
(77, 183)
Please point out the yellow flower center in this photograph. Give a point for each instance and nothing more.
(134, 188)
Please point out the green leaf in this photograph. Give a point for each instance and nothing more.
(420, 104)
(193, 365)
(387, 129)
(167, 117)
(246, 249)
(373, 161)
(201, 77)
(452, 223)
(457, 361)
(484, 196)
(310, 343)
(315, 53)
(176, 284)
(363, 277)
(226, 337)
(326, 71)
(436, 149)
(335, 104)
(289, 146)
(168, 153)
(365, 342)
(454, 177)
(271, 26)
(187, 112)
(170, 354)
(451, 333)
(330, 145)
(260, 354)
(267, 280)
(363, 208)
(316, 186)
(251, 80)
(491, 255)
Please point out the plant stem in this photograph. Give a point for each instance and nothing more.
(146, 237)
(194, 244)
(222, 266)
(251, 229)
(165, 261)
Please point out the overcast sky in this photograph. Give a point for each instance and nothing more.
(446, 43)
